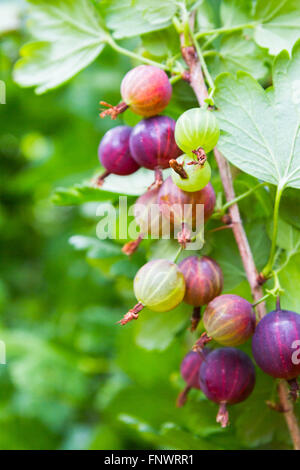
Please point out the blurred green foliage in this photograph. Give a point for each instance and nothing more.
(73, 379)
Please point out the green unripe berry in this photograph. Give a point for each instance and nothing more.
(159, 285)
(197, 128)
(198, 175)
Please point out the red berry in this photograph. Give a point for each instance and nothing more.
(172, 201)
(149, 219)
(190, 368)
(152, 142)
(114, 153)
(274, 343)
(203, 278)
(204, 281)
(227, 376)
(146, 89)
(229, 319)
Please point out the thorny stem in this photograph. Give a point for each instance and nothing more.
(198, 84)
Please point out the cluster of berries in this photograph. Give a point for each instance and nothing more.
(225, 375)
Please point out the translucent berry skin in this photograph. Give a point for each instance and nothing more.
(148, 216)
(152, 142)
(198, 176)
(197, 128)
(203, 279)
(190, 367)
(114, 153)
(229, 320)
(146, 89)
(159, 285)
(272, 344)
(227, 376)
(172, 201)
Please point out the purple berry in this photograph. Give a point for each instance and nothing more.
(274, 343)
(227, 376)
(152, 142)
(190, 367)
(114, 153)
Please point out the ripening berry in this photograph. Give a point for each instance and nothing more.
(145, 89)
(152, 142)
(173, 200)
(149, 219)
(114, 153)
(203, 279)
(158, 285)
(275, 343)
(196, 129)
(194, 177)
(229, 320)
(227, 376)
(190, 369)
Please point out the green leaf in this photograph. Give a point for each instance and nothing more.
(289, 207)
(238, 52)
(279, 24)
(69, 37)
(235, 12)
(114, 186)
(288, 238)
(156, 331)
(96, 249)
(260, 129)
(10, 16)
(289, 279)
(127, 18)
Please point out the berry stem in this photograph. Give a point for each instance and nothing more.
(195, 319)
(113, 111)
(158, 179)
(198, 84)
(223, 415)
(131, 247)
(178, 167)
(182, 397)
(133, 55)
(100, 180)
(218, 31)
(133, 314)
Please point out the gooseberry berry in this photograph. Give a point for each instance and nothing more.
(149, 219)
(227, 376)
(275, 340)
(190, 367)
(204, 281)
(145, 89)
(181, 207)
(197, 129)
(152, 143)
(189, 175)
(229, 320)
(159, 285)
(114, 153)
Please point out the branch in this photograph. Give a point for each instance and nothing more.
(197, 82)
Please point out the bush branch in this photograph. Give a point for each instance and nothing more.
(197, 82)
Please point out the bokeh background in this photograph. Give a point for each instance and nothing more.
(73, 379)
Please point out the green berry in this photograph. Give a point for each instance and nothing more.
(198, 175)
(197, 128)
